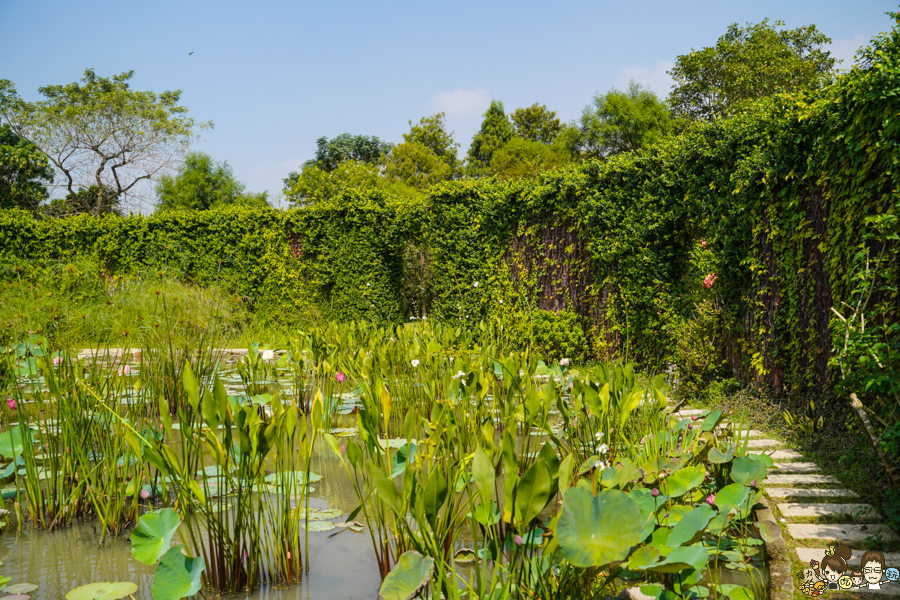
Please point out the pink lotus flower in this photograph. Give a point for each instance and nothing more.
(340, 377)
(11, 403)
(654, 492)
(711, 499)
(124, 370)
(57, 361)
(343, 449)
(518, 539)
(144, 494)
(753, 483)
(710, 279)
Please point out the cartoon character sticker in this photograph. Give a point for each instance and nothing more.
(834, 572)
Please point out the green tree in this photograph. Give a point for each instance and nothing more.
(85, 201)
(201, 184)
(525, 158)
(536, 123)
(24, 170)
(364, 148)
(623, 121)
(101, 134)
(426, 156)
(495, 131)
(314, 184)
(748, 63)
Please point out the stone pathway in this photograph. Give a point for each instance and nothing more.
(801, 493)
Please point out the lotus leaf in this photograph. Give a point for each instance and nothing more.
(732, 496)
(682, 481)
(408, 577)
(719, 457)
(151, 538)
(102, 591)
(20, 588)
(746, 470)
(318, 526)
(711, 420)
(690, 524)
(684, 557)
(594, 531)
(177, 576)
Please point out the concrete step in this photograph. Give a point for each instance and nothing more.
(797, 467)
(861, 513)
(798, 478)
(807, 554)
(855, 536)
(784, 455)
(776, 492)
(763, 444)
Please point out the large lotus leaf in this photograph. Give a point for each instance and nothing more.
(314, 526)
(682, 481)
(747, 471)
(684, 557)
(690, 524)
(11, 442)
(408, 577)
(177, 575)
(102, 591)
(152, 536)
(731, 496)
(20, 588)
(596, 530)
(643, 558)
(719, 457)
(711, 420)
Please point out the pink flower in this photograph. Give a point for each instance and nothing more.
(57, 361)
(343, 449)
(518, 539)
(690, 425)
(654, 492)
(710, 279)
(125, 370)
(702, 243)
(753, 483)
(340, 377)
(563, 362)
(289, 556)
(144, 494)
(711, 499)
(11, 403)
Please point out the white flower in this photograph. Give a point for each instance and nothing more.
(476, 284)
(783, 520)
(598, 435)
(602, 448)
(368, 285)
(459, 374)
(415, 362)
(268, 354)
(501, 302)
(563, 362)
(599, 464)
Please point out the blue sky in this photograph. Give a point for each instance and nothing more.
(275, 75)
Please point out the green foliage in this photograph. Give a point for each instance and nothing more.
(748, 63)
(521, 157)
(86, 201)
(552, 335)
(536, 123)
(151, 538)
(417, 165)
(408, 578)
(101, 132)
(624, 122)
(362, 148)
(102, 591)
(314, 184)
(202, 184)
(495, 131)
(24, 172)
(697, 343)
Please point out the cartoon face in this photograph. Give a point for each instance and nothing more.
(892, 574)
(872, 571)
(857, 579)
(833, 576)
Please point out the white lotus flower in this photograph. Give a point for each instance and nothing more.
(268, 354)
(563, 362)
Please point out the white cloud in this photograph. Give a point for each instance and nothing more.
(654, 77)
(461, 103)
(844, 49)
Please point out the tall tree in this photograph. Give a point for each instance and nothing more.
(426, 156)
(24, 172)
(748, 63)
(495, 131)
(364, 148)
(314, 184)
(536, 123)
(623, 121)
(201, 183)
(520, 157)
(101, 134)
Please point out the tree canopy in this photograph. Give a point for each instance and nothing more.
(24, 172)
(748, 63)
(426, 156)
(201, 184)
(536, 123)
(495, 131)
(364, 148)
(102, 134)
(623, 121)
(520, 157)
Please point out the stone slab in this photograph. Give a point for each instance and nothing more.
(861, 513)
(786, 455)
(807, 554)
(797, 467)
(689, 412)
(763, 444)
(775, 492)
(844, 533)
(798, 478)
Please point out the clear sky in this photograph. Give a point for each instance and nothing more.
(276, 75)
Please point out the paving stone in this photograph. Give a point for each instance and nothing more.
(794, 478)
(844, 533)
(807, 554)
(797, 467)
(776, 492)
(689, 412)
(763, 444)
(861, 513)
(785, 455)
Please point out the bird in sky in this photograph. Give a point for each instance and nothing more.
(189, 53)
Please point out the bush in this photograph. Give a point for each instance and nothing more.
(697, 344)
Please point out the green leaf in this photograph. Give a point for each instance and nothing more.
(746, 470)
(483, 474)
(718, 457)
(435, 495)
(11, 444)
(732, 496)
(690, 524)
(404, 454)
(177, 576)
(711, 420)
(191, 385)
(387, 491)
(735, 592)
(534, 492)
(152, 536)
(683, 557)
(682, 481)
(408, 577)
(594, 531)
(103, 591)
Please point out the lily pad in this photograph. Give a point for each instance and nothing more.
(103, 591)
(20, 588)
(177, 576)
(408, 577)
(597, 530)
(17, 597)
(151, 538)
(316, 526)
(354, 526)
